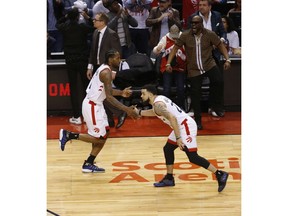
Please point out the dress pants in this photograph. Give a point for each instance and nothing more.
(216, 91)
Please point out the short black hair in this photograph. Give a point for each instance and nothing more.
(151, 88)
(110, 54)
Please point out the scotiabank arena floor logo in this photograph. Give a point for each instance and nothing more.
(185, 171)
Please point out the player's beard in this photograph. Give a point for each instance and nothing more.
(146, 102)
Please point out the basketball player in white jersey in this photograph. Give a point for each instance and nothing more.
(99, 89)
(183, 135)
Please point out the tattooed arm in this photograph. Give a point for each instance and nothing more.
(161, 110)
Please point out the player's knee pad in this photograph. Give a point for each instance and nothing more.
(169, 153)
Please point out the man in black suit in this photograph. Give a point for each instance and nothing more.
(212, 20)
(103, 40)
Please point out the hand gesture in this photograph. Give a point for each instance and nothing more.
(125, 11)
(127, 92)
(131, 112)
(85, 14)
(166, 14)
(136, 110)
(170, 14)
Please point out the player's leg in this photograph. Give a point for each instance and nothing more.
(168, 150)
(98, 130)
(200, 161)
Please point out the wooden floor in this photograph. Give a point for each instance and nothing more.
(132, 165)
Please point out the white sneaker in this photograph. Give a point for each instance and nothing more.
(191, 113)
(75, 120)
(213, 113)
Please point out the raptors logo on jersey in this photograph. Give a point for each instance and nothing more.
(96, 130)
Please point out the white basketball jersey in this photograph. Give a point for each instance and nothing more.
(95, 90)
(172, 108)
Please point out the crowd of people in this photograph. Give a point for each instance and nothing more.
(86, 29)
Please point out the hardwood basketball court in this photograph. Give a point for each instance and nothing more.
(132, 165)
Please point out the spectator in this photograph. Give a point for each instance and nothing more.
(232, 36)
(199, 43)
(104, 39)
(119, 21)
(76, 54)
(178, 74)
(139, 9)
(55, 10)
(161, 18)
(212, 20)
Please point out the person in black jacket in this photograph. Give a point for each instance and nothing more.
(76, 52)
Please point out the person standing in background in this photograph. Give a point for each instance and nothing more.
(76, 53)
(212, 20)
(232, 36)
(199, 43)
(178, 73)
(119, 21)
(160, 19)
(139, 9)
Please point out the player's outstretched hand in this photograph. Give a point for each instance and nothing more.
(132, 113)
(127, 92)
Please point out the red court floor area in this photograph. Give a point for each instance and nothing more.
(230, 124)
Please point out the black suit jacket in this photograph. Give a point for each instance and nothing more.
(110, 40)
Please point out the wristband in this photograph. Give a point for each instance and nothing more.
(140, 112)
(90, 67)
(167, 65)
(178, 137)
(228, 60)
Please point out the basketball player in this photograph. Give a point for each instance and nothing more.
(183, 135)
(99, 89)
